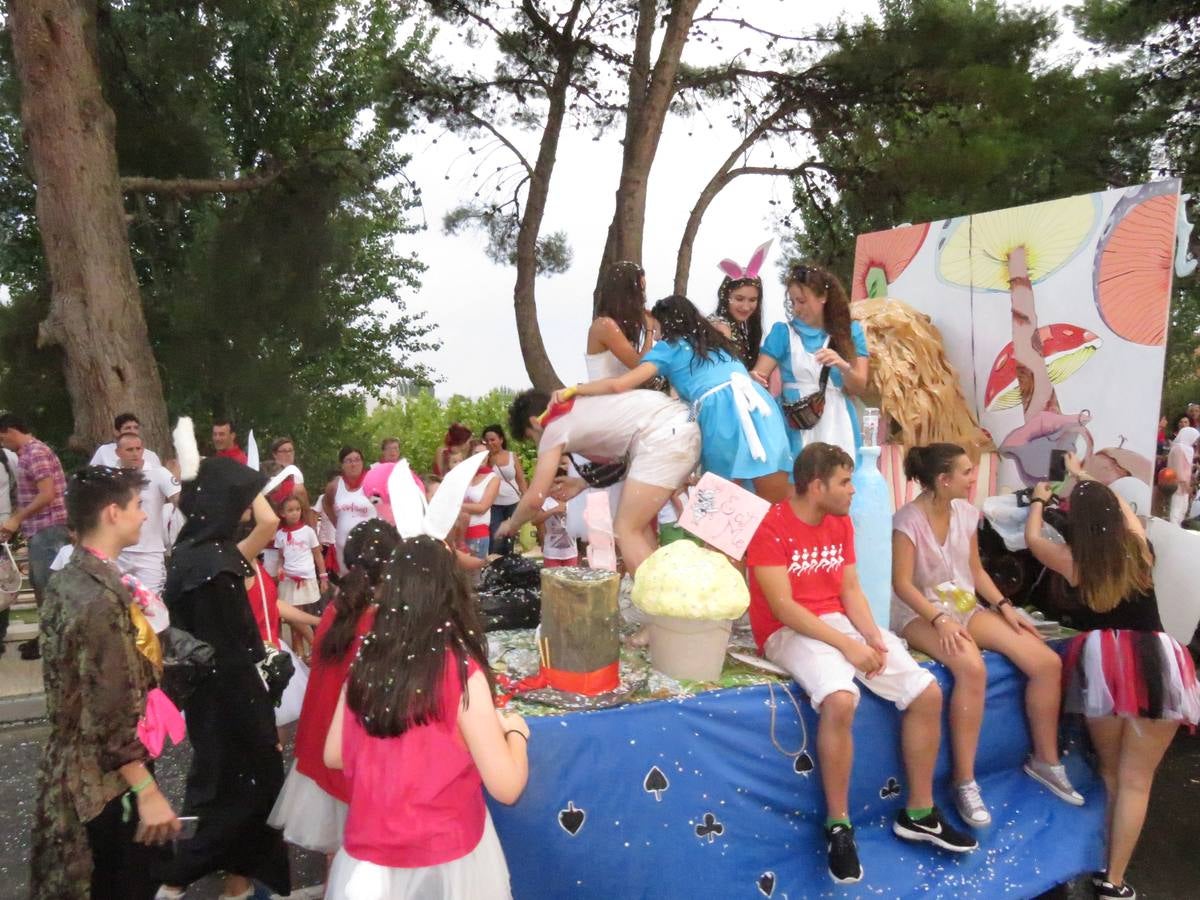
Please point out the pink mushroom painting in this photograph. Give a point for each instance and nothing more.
(1010, 251)
(1134, 259)
(880, 257)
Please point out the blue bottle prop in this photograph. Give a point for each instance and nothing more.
(871, 513)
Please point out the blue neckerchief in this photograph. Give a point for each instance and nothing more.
(808, 331)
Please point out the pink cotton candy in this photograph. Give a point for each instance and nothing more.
(162, 719)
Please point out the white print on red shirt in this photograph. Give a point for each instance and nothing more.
(817, 559)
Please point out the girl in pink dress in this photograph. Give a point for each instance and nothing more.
(418, 738)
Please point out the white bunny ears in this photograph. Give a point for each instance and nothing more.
(188, 454)
(735, 272)
(413, 515)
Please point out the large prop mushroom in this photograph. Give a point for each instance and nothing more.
(880, 257)
(1011, 250)
(1134, 257)
(1065, 348)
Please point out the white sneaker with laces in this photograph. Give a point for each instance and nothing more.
(969, 803)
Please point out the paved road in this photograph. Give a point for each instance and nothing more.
(1166, 867)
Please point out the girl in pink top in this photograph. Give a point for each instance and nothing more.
(418, 737)
(937, 583)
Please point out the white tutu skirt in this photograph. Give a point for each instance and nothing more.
(480, 875)
(307, 816)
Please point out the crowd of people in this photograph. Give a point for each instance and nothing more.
(175, 581)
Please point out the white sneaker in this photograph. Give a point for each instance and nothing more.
(970, 805)
(1055, 779)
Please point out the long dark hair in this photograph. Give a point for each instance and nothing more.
(368, 548)
(623, 299)
(681, 321)
(1110, 560)
(427, 610)
(754, 323)
(825, 284)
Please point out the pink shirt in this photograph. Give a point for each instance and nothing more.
(934, 563)
(417, 799)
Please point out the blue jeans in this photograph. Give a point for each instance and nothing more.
(500, 513)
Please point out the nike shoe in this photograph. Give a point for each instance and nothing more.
(844, 867)
(1106, 890)
(933, 829)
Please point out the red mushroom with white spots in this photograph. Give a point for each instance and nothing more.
(1064, 347)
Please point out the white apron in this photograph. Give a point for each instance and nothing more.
(835, 425)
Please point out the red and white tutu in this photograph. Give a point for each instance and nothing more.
(307, 815)
(1135, 674)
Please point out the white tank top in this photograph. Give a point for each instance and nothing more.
(603, 365)
(474, 495)
(508, 482)
(351, 507)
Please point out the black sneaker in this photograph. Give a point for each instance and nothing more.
(844, 867)
(1106, 890)
(933, 829)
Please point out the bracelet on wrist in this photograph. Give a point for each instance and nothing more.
(1041, 500)
(940, 615)
(141, 786)
(519, 734)
(1003, 603)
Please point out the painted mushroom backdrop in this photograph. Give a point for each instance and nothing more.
(1053, 314)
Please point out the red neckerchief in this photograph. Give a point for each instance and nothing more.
(555, 411)
(289, 529)
(356, 483)
(485, 470)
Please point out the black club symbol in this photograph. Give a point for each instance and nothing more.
(710, 828)
(891, 789)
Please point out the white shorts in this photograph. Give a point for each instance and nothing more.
(665, 454)
(902, 615)
(820, 668)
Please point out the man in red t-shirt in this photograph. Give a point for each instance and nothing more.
(810, 617)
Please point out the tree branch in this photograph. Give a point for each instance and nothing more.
(742, 23)
(182, 187)
(484, 123)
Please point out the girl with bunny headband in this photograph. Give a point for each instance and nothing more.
(416, 733)
(739, 305)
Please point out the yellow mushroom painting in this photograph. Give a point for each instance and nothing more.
(1054, 315)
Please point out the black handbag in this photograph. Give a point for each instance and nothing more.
(601, 475)
(806, 412)
(187, 661)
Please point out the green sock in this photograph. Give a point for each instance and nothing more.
(916, 814)
(830, 821)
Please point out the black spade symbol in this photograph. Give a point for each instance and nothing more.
(571, 819)
(655, 783)
(803, 764)
(766, 883)
(891, 789)
(710, 828)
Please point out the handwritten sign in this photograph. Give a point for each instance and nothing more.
(601, 550)
(724, 515)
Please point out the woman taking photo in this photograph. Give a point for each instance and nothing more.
(936, 575)
(1134, 684)
(820, 335)
(512, 483)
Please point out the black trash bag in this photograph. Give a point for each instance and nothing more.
(510, 594)
(187, 661)
(276, 670)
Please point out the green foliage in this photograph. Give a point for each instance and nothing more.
(282, 306)
(553, 252)
(420, 421)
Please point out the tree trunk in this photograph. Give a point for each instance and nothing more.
(95, 309)
(650, 100)
(529, 333)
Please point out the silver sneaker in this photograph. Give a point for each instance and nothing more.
(970, 805)
(1055, 779)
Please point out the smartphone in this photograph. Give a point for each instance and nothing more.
(188, 831)
(1058, 465)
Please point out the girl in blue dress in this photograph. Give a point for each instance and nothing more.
(742, 432)
(820, 333)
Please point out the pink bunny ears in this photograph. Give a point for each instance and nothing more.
(736, 273)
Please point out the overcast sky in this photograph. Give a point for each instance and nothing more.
(470, 298)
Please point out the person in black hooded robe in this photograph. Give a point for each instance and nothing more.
(237, 764)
